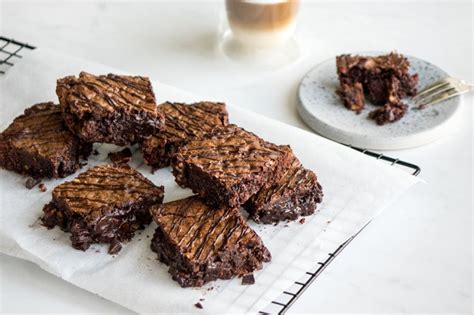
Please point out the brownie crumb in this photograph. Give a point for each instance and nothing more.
(248, 279)
(95, 152)
(114, 247)
(302, 220)
(198, 305)
(42, 187)
(388, 113)
(121, 157)
(31, 182)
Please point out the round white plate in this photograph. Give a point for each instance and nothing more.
(321, 108)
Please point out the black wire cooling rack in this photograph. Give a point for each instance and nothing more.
(10, 52)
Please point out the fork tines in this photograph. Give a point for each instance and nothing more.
(440, 91)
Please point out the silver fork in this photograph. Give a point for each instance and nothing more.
(440, 91)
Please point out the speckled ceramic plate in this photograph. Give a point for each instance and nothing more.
(323, 111)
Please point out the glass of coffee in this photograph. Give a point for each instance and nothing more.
(260, 31)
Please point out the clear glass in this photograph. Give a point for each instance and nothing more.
(259, 32)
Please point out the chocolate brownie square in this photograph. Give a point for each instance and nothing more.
(384, 79)
(183, 122)
(202, 244)
(39, 144)
(109, 108)
(106, 204)
(295, 194)
(230, 166)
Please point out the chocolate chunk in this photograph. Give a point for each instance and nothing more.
(39, 144)
(32, 182)
(230, 166)
(106, 204)
(248, 279)
(201, 244)
(302, 220)
(109, 108)
(184, 122)
(121, 157)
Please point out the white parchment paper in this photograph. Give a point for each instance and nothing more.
(356, 189)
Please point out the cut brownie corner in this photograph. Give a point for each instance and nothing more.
(202, 244)
(106, 204)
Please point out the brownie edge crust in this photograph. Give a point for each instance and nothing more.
(106, 204)
(202, 244)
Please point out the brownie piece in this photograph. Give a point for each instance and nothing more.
(388, 113)
(384, 79)
(112, 108)
(106, 204)
(39, 144)
(202, 244)
(296, 193)
(248, 279)
(230, 166)
(352, 95)
(183, 123)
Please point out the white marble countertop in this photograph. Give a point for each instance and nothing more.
(416, 257)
